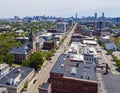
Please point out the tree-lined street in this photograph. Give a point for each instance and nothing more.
(44, 73)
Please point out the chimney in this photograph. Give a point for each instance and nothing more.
(77, 65)
(106, 68)
(68, 58)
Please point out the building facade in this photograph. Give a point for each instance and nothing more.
(73, 77)
(15, 80)
(25, 51)
(61, 27)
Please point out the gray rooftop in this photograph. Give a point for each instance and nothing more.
(45, 86)
(24, 49)
(21, 72)
(83, 71)
(3, 66)
(60, 65)
(74, 70)
(31, 34)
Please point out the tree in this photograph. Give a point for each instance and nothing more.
(25, 63)
(36, 60)
(2, 58)
(53, 50)
(109, 52)
(26, 85)
(49, 54)
(9, 59)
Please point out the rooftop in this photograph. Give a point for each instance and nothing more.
(45, 86)
(89, 42)
(87, 50)
(73, 48)
(19, 31)
(60, 65)
(77, 57)
(14, 77)
(75, 70)
(31, 34)
(82, 71)
(2, 66)
(24, 49)
(47, 34)
(106, 37)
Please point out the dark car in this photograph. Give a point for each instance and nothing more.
(34, 81)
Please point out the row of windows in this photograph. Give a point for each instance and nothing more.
(90, 59)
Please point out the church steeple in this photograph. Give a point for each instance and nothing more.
(31, 36)
(32, 40)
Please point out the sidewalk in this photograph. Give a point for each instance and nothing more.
(108, 59)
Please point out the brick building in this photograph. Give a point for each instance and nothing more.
(45, 88)
(25, 51)
(49, 44)
(73, 77)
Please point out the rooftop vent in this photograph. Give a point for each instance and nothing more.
(88, 78)
(81, 76)
(64, 59)
(62, 65)
(77, 65)
(73, 71)
(19, 70)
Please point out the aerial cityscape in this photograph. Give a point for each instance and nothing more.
(60, 46)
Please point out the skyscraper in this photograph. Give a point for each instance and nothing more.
(103, 15)
(76, 16)
(95, 15)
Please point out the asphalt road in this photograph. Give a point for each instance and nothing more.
(43, 75)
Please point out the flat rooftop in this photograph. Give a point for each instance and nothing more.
(73, 47)
(2, 66)
(89, 42)
(106, 37)
(77, 57)
(84, 71)
(47, 34)
(17, 71)
(75, 70)
(60, 64)
(45, 86)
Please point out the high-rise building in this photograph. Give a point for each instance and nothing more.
(95, 15)
(103, 15)
(70, 22)
(76, 16)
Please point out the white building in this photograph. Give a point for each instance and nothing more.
(15, 80)
(73, 48)
(47, 36)
(4, 69)
(90, 42)
(19, 32)
(105, 39)
(110, 46)
(90, 54)
(77, 57)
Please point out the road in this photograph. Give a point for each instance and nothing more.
(103, 83)
(45, 72)
(107, 59)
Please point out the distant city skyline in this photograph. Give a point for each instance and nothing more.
(59, 8)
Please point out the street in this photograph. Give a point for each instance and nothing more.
(43, 75)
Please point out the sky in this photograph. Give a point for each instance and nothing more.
(59, 8)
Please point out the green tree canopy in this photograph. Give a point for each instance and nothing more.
(9, 59)
(36, 60)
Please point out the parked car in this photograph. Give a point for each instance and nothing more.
(34, 81)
